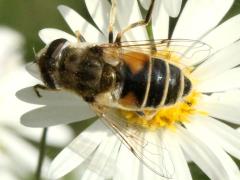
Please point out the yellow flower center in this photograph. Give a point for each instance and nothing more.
(166, 116)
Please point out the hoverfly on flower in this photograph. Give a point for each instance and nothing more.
(135, 86)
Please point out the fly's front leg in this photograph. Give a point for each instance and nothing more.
(42, 87)
(136, 24)
(112, 18)
(37, 87)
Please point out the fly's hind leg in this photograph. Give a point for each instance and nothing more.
(37, 87)
(112, 18)
(142, 22)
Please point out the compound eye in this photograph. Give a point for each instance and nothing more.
(55, 47)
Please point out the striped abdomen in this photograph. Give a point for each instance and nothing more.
(151, 83)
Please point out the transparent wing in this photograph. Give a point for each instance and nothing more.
(95, 149)
(183, 47)
(190, 51)
(147, 146)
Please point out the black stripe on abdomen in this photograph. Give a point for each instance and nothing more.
(157, 85)
(134, 83)
(174, 85)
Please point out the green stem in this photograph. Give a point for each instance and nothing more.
(41, 153)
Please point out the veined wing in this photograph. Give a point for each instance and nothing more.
(147, 146)
(190, 52)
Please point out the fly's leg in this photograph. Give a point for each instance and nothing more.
(37, 87)
(147, 116)
(80, 37)
(42, 87)
(142, 22)
(112, 19)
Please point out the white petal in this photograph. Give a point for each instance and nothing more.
(89, 175)
(201, 155)
(11, 41)
(56, 136)
(27, 157)
(8, 99)
(156, 154)
(159, 155)
(160, 21)
(173, 7)
(190, 50)
(228, 80)
(182, 171)
(59, 135)
(200, 125)
(5, 161)
(11, 82)
(104, 159)
(65, 162)
(55, 115)
(146, 3)
(227, 32)
(198, 17)
(219, 106)
(229, 97)
(20, 75)
(145, 173)
(218, 63)
(147, 146)
(226, 136)
(78, 151)
(89, 139)
(11, 52)
(52, 98)
(12, 165)
(127, 165)
(47, 35)
(128, 12)
(99, 11)
(77, 23)
(33, 69)
(62, 108)
(7, 175)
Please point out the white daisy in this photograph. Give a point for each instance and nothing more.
(18, 157)
(203, 137)
(172, 7)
